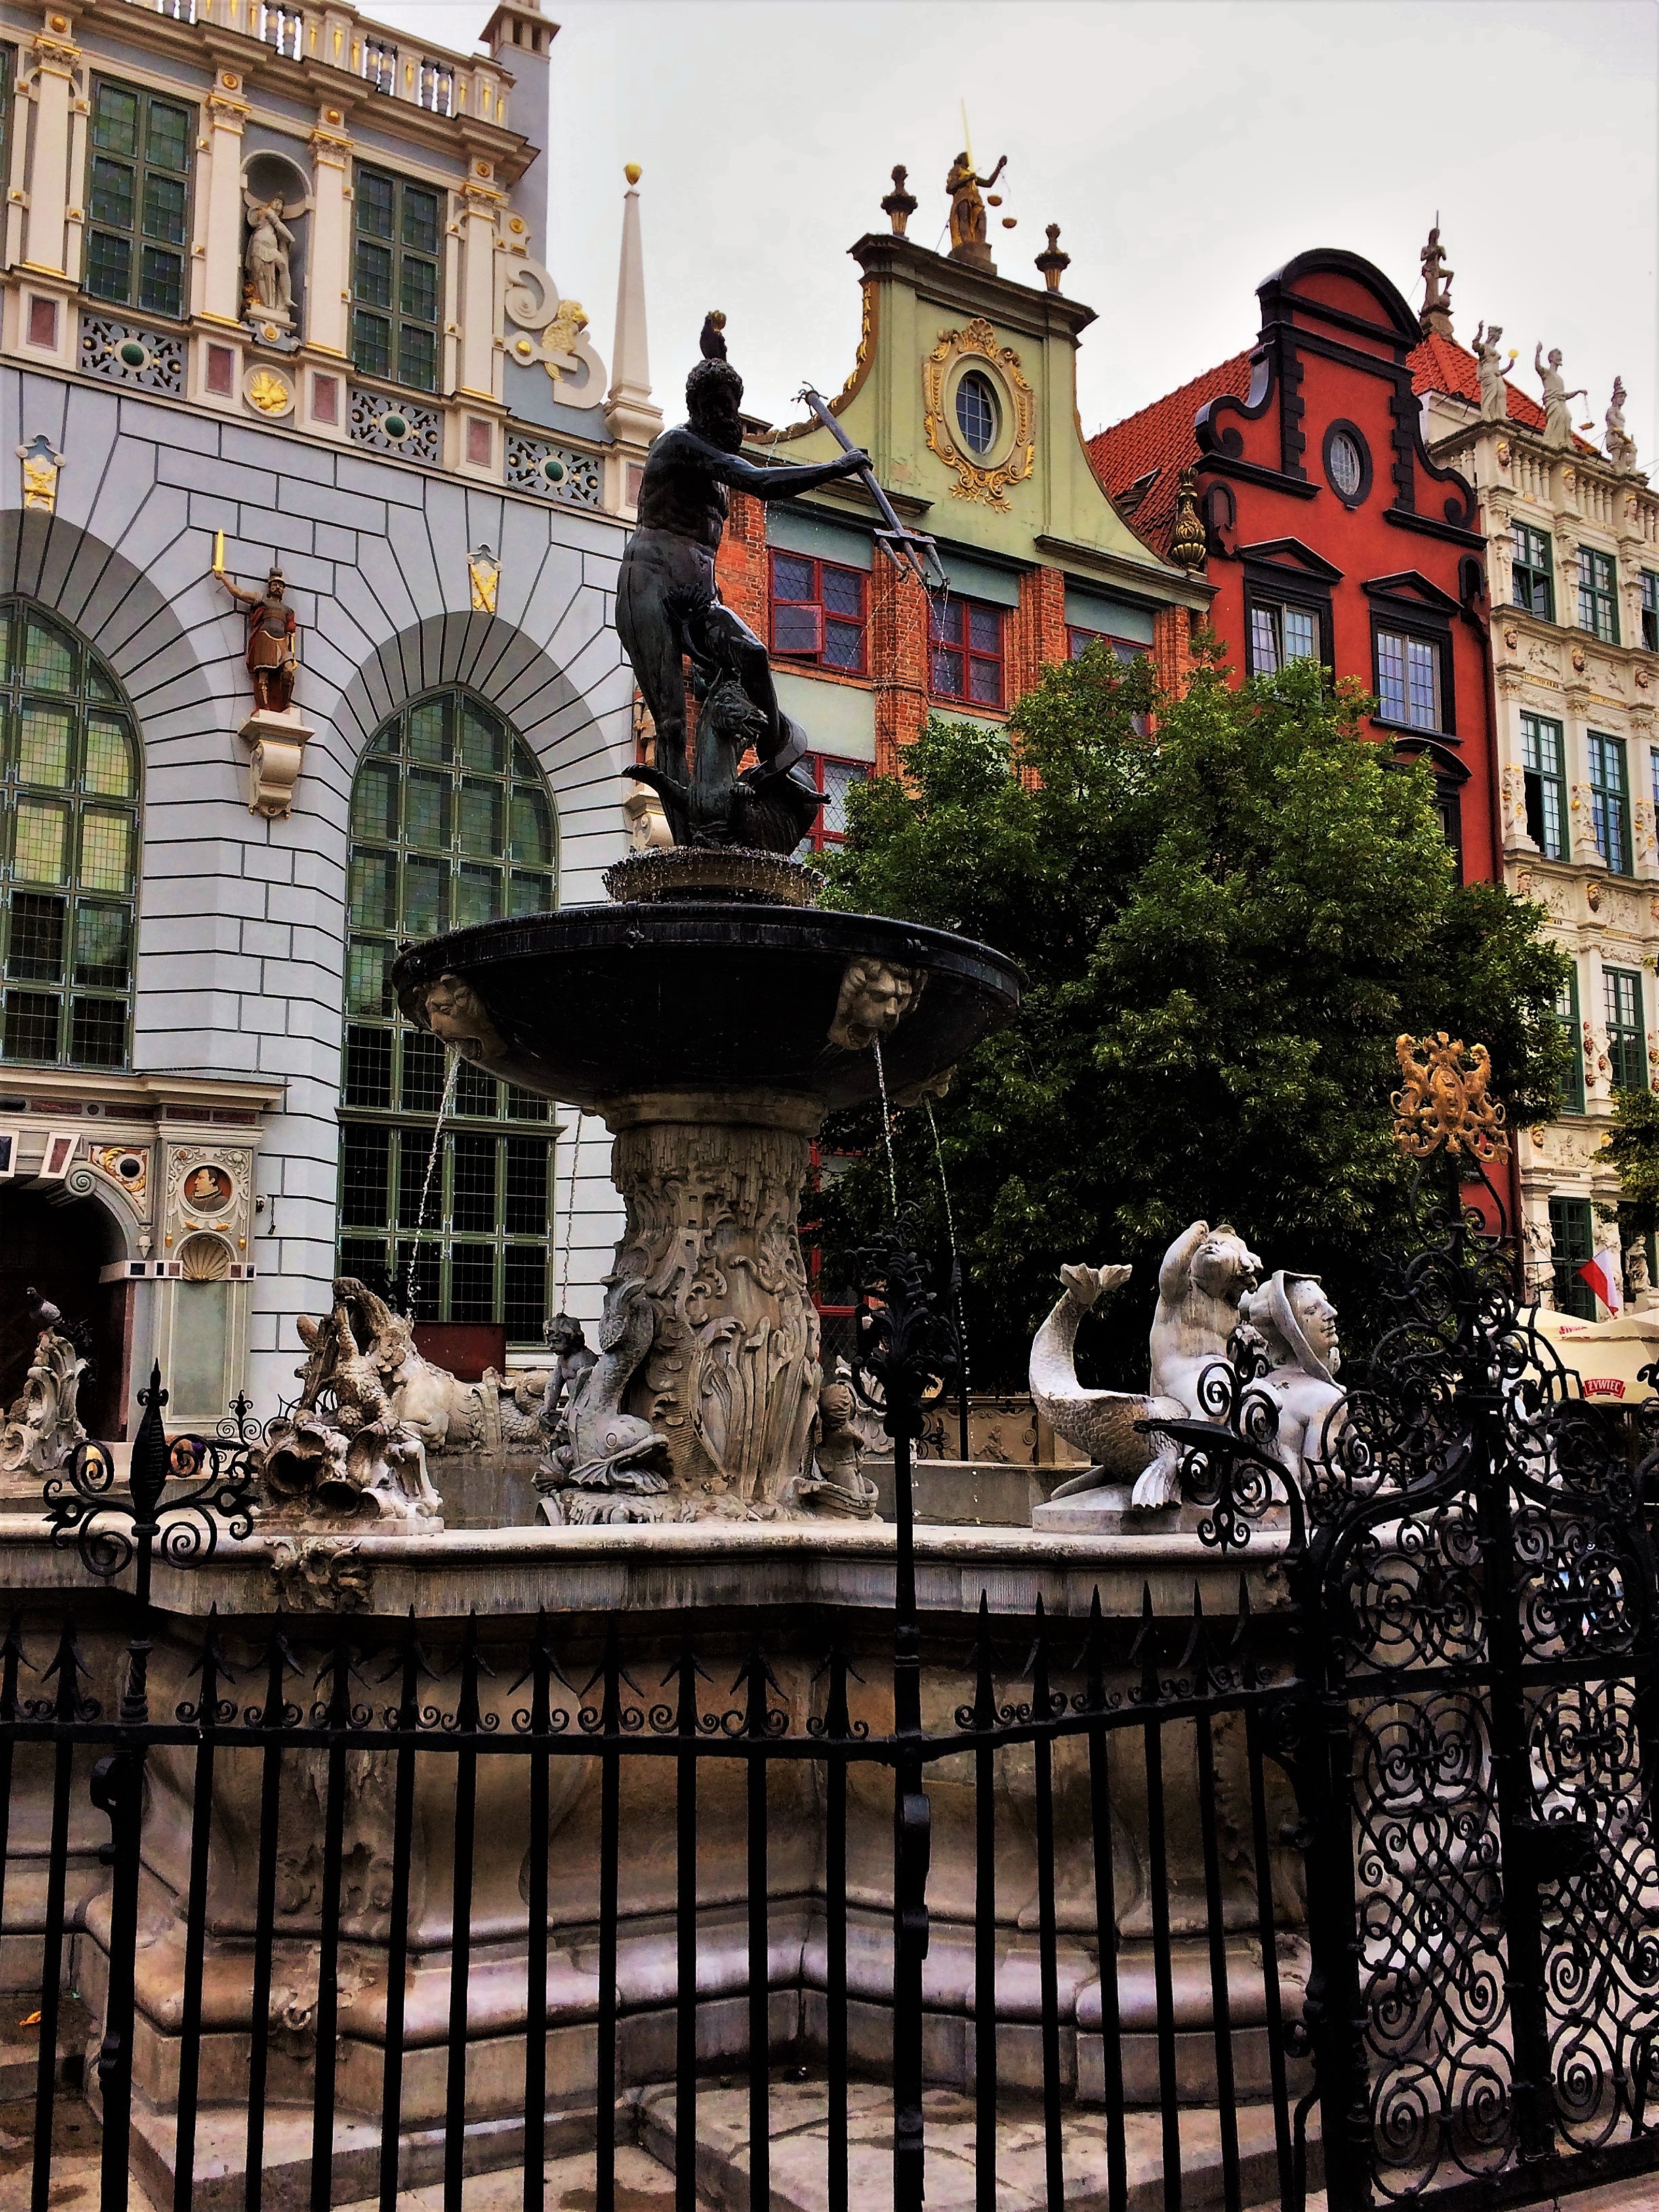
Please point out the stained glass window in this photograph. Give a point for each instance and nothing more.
(452, 823)
(68, 848)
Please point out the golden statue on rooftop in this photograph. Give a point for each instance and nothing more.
(968, 242)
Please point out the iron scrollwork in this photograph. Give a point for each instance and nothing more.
(211, 1481)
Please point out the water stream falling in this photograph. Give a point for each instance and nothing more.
(561, 1286)
(453, 1069)
(887, 1127)
(966, 1389)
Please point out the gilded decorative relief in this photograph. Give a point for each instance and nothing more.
(977, 342)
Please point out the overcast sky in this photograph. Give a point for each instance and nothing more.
(1187, 147)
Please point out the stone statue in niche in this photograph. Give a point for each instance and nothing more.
(1295, 1324)
(273, 631)
(1205, 1273)
(668, 610)
(1619, 446)
(41, 1432)
(968, 240)
(1558, 410)
(1489, 371)
(269, 294)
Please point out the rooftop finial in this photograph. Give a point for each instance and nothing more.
(900, 204)
(1435, 320)
(1188, 548)
(1053, 260)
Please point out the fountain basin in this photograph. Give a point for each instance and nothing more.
(596, 1002)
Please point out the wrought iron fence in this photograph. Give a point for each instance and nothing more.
(1061, 1912)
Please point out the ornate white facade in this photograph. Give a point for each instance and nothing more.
(1573, 574)
(400, 409)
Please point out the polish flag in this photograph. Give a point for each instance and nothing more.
(1605, 1276)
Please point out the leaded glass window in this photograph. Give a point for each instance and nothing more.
(1281, 635)
(1543, 761)
(1609, 784)
(1572, 1242)
(396, 278)
(452, 823)
(1566, 1011)
(1627, 1053)
(1531, 584)
(68, 848)
(138, 158)
(1408, 679)
(1598, 594)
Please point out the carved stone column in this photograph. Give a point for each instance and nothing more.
(328, 273)
(712, 1186)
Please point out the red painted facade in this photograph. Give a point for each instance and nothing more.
(1327, 525)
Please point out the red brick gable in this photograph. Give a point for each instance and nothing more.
(1161, 437)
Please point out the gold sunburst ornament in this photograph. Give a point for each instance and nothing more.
(1444, 1099)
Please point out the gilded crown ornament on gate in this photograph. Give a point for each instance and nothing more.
(1443, 1099)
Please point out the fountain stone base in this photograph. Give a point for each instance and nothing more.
(712, 1186)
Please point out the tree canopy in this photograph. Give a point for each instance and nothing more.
(1224, 927)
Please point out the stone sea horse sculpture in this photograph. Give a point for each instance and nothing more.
(1205, 1273)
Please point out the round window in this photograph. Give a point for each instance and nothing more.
(1346, 463)
(976, 412)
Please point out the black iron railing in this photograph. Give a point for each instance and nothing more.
(1217, 1899)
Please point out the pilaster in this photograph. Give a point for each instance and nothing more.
(227, 112)
(898, 654)
(55, 59)
(328, 284)
(481, 198)
(1036, 630)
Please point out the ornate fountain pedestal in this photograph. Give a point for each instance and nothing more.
(712, 1187)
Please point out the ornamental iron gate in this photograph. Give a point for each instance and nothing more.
(1358, 1890)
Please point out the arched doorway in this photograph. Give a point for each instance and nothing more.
(59, 1246)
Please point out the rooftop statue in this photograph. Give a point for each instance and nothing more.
(968, 242)
(1558, 411)
(1489, 368)
(1435, 318)
(669, 609)
(1619, 446)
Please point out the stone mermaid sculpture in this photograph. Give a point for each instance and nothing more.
(1205, 1273)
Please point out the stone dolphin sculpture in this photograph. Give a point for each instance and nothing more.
(1099, 1422)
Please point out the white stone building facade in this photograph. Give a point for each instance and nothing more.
(1573, 574)
(201, 1074)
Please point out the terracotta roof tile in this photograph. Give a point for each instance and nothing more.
(1160, 437)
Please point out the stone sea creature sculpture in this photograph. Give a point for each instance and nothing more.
(1295, 1324)
(42, 1429)
(342, 1454)
(841, 1487)
(1205, 1273)
(597, 1446)
(455, 1013)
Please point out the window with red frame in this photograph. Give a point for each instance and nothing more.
(834, 778)
(966, 652)
(818, 612)
(1079, 640)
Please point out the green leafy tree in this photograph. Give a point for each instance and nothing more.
(1633, 1147)
(1223, 932)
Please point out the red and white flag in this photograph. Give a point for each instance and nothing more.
(1605, 1276)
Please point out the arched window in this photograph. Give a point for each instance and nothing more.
(68, 846)
(452, 823)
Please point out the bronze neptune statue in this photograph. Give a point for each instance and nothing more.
(669, 609)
